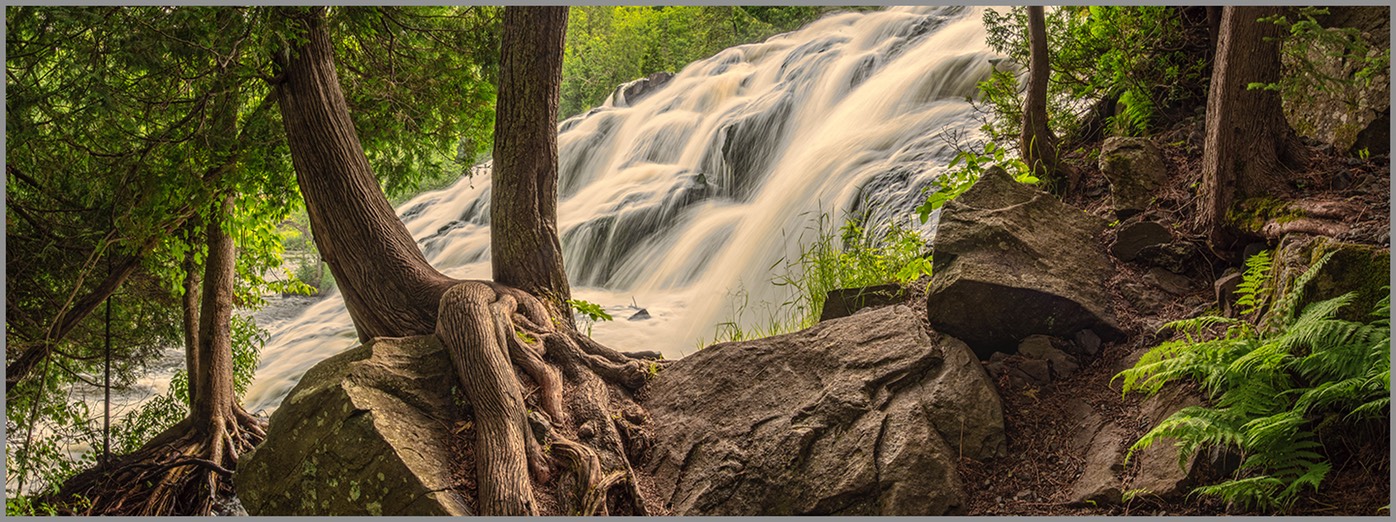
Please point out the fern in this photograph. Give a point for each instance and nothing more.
(1268, 378)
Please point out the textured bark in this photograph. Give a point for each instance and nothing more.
(388, 286)
(470, 328)
(1038, 146)
(213, 379)
(524, 244)
(1247, 141)
(190, 303)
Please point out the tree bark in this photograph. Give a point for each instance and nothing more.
(1038, 146)
(388, 286)
(1247, 141)
(524, 246)
(190, 302)
(211, 386)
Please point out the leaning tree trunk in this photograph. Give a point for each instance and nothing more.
(388, 286)
(1247, 141)
(1038, 146)
(524, 245)
(580, 401)
(182, 470)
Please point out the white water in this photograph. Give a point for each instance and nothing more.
(696, 190)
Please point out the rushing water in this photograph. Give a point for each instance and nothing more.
(677, 200)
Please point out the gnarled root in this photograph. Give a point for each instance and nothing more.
(181, 471)
(577, 385)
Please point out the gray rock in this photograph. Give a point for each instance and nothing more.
(1088, 342)
(629, 94)
(640, 315)
(364, 432)
(1136, 170)
(1000, 275)
(844, 302)
(1336, 115)
(1135, 237)
(860, 415)
(1170, 282)
(1099, 481)
(1044, 348)
(1225, 291)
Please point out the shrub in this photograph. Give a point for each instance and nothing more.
(1272, 376)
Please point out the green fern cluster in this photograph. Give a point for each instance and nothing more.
(1270, 376)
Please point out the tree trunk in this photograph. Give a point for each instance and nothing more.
(190, 303)
(388, 286)
(1247, 140)
(524, 246)
(211, 386)
(1038, 146)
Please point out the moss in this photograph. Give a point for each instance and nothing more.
(1252, 214)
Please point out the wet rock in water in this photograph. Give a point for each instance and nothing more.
(1135, 237)
(1000, 276)
(364, 432)
(1136, 170)
(844, 302)
(631, 93)
(640, 315)
(860, 415)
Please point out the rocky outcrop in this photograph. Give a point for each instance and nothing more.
(844, 302)
(1012, 261)
(1345, 112)
(366, 432)
(1136, 170)
(631, 93)
(860, 415)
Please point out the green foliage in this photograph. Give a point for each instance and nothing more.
(1148, 58)
(1304, 35)
(964, 170)
(611, 45)
(591, 313)
(854, 255)
(1270, 380)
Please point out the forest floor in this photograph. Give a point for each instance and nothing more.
(1041, 422)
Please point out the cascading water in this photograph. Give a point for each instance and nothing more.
(675, 200)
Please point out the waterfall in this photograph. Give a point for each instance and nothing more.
(676, 194)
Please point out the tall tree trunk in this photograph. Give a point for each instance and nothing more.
(1038, 146)
(524, 246)
(211, 386)
(388, 286)
(1247, 140)
(190, 302)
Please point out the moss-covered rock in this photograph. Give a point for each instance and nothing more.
(1364, 269)
(363, 433)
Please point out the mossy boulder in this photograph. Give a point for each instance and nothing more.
(1354, 267)
(365, 432)
(1136, 170)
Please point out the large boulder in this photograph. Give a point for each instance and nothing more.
(1012, 261)
(1136, 170)
(1347, 114)
(365, 432)
(860, 415)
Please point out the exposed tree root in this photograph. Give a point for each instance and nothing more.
(581, 405)
(181, 471)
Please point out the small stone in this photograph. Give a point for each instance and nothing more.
(1170, 282)
(1225, 290)
(640, 315)
(1088, 341)
(586, 431)
(1133, 238)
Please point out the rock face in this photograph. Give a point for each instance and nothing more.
(1339, 113)
(1000, 275)
(364, 433)
(1135, 169)
(861, 415)
(844, 302)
